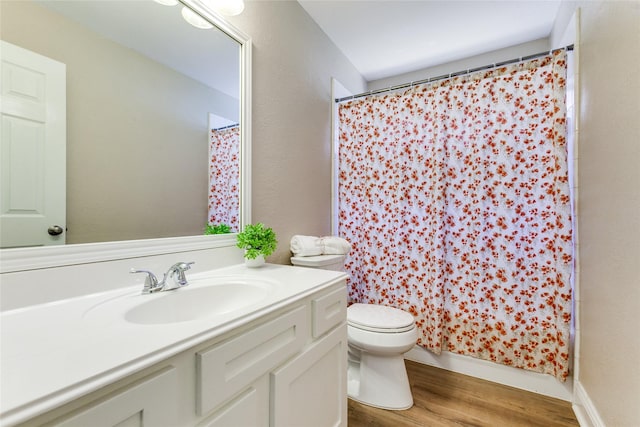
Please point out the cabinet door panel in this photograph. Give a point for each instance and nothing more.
(150, 402)
(311, 389)
(250, 408)
(227, 368)
(329, 310)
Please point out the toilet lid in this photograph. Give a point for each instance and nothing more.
(379, 318)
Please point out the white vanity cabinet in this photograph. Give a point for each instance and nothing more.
(239, 365)
(300, 356)
(303, 387)
(285, 368)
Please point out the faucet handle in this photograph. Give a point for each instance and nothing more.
(176, 272)
(183, 265)
(150, 283)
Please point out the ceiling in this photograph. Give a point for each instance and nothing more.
(384, 38)
(163, 35)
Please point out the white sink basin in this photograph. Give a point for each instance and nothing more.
(203, 298)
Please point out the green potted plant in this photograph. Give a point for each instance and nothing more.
(258, 242)
(217, 229)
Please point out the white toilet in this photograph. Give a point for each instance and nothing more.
(378, 336)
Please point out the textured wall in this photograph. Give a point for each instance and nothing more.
(609, 209)
(293, 62)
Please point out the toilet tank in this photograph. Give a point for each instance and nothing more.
(324, 262)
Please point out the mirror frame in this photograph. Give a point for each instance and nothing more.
(22, 259)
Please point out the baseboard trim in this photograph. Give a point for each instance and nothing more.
(501, 374)
(585, 410)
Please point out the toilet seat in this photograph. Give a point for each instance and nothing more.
(379, 318)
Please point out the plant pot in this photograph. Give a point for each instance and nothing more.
(256, 262)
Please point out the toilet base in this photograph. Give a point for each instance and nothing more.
(378, 381)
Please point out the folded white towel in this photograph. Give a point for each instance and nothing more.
(306, 245)
(334, 245)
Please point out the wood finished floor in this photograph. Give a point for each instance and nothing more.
(444, 398)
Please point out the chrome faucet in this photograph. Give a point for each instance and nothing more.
(177, 276)
(174, 278)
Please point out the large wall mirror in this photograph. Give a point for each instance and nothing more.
(147, 96)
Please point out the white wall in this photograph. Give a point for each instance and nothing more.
(293, 63)
(608, 368)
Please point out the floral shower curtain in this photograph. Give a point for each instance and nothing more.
(455, 197)
(224, 177)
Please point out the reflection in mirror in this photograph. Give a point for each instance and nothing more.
(151, 133)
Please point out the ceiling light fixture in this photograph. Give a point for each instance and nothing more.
(224, 7)
(196, 20)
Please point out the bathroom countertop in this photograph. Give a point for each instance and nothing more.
(53, 353)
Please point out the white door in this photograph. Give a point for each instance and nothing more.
(33, 149)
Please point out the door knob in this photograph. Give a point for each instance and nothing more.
(55, 230)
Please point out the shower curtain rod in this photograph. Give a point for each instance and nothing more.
(450, 75)
(227, 127)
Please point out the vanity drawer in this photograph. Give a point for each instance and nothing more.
(230, 366)
(329, 311)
